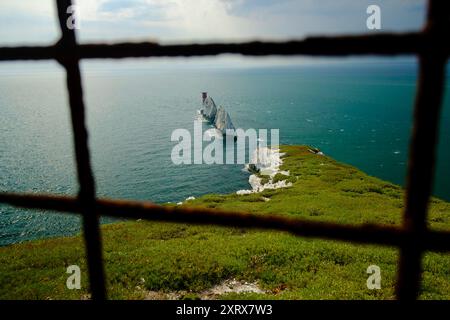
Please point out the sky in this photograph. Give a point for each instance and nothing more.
(168, 21)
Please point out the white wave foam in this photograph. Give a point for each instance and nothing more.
(200, 117)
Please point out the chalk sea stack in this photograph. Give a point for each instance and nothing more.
(218, 117)
(209, 109)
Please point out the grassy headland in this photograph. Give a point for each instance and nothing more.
(144, 256)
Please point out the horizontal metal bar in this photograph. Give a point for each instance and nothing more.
(368, 234)
(377, 44)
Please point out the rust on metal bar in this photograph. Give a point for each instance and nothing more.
(345, 45)
(367, 234)
(423, 151)
(86, 195)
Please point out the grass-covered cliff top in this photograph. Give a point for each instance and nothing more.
(162, 260)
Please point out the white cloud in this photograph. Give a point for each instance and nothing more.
(178, 19)
(203, 20)
(37, 8)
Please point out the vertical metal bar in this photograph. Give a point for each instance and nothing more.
(85, 177)
(423, 150)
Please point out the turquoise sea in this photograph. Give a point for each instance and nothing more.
(358, 113)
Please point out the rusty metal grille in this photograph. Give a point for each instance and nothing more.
(413, 238)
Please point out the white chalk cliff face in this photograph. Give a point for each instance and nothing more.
(223, 121)
(267, 162)
(209, 109)
(218, 117)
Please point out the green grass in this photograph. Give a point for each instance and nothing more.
(141, 256)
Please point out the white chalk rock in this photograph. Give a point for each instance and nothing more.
(209, 109)
(223, 121)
